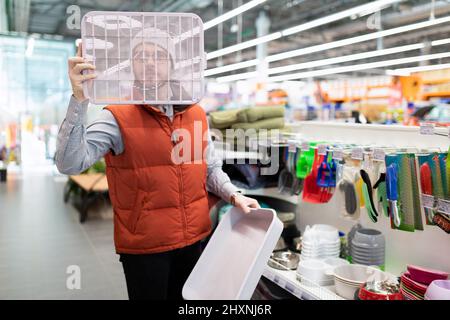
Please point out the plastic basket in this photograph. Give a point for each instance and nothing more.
(144, 57)
(235, 256)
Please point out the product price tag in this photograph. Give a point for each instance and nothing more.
(322, 149)
(427, 201)
(427, 128)
(289, 287)
(304, 146)
(357, 154)
(378, 154)
(338, 154)
(292, 146)
(443, 206)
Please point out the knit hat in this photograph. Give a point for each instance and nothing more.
(157, 37)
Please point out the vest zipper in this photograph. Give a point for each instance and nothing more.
(182, 203)
(180, 175)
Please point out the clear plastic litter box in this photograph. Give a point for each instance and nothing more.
(144, 57)
(235, 257)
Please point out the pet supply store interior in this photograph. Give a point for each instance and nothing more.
(333, 115)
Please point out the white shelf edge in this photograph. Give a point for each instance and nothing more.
(348, 125)
(287, 280)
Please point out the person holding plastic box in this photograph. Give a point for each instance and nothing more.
(161, 210)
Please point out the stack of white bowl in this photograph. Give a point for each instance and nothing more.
(320, 241)
(319, 272)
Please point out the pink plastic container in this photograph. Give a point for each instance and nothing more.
(426, 276)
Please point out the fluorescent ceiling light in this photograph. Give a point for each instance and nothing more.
(358, 67)
(230, 14)
(341, 43)
(349, 41)
(306, 26)
(408, 71)
(367, 8)
(231, 67)
(240, 76)
(324, 62)
(336, 70)
(351, 57)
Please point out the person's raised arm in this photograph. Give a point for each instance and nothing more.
(78, 146)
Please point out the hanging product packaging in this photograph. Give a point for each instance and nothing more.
(305, 161)
(426, 187)
(392, 190)
(311, 191)
(368, 194)
(288, 183)
(346, 188)
(418, 223)
(379, 186)
(144, 57)
(442, 214)
(407, 192)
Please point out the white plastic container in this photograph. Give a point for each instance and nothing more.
(144, 57)
(235, 256)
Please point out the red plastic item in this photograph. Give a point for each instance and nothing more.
(365, 294)
(426, 276)
(311, 191)
(426, 182)
(413, 285)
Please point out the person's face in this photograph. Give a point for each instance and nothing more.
(150, 62)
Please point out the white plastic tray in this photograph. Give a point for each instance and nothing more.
(144, 57)
(235, 256)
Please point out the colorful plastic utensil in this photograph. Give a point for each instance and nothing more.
(392, 194)
(426, 184)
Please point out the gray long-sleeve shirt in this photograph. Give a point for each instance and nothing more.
(80, 146)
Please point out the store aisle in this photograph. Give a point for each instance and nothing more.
(40, 237)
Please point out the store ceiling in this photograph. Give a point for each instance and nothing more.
(49, 17)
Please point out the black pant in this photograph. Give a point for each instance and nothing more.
(159, 276)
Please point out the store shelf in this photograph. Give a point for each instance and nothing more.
(235, 155)
(271, 192)
(436, 94)
(436, 81)
(304, 290)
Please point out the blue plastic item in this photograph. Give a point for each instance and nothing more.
(392, 191)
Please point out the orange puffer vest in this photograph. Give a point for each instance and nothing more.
(158, 205)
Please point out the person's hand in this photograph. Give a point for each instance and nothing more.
(245, 203)
(76, 66)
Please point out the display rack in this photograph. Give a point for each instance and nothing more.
(304, 289)
(424, 248)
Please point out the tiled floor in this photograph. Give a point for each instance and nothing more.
(40, 237)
